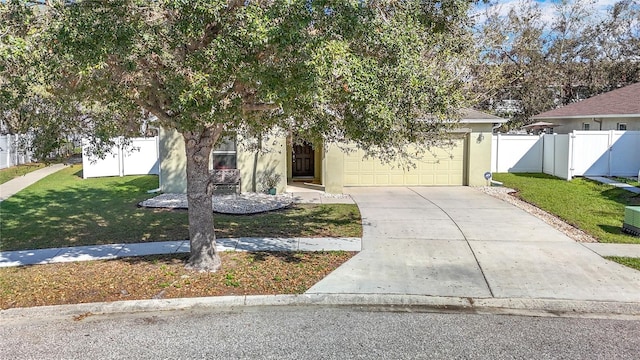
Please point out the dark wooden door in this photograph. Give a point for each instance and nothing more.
(303, 160)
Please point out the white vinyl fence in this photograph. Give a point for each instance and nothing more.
(516, 153)
(11, 153)
(581, 153)
(139, 157)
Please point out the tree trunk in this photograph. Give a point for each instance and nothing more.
(198, 145)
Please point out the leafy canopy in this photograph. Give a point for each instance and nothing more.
(365, 71)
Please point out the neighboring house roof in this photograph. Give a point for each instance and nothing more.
(474, 116)
(622, 102)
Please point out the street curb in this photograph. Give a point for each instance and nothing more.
(383, 302)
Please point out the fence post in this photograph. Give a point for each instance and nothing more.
(15, 149)
(497, 153)
(121, 155)
(8, 150)
(610, 150)
(571, 159)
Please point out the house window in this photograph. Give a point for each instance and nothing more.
(622, 126)
(585, 126)
(225, 155)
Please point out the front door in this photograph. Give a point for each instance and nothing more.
(303, 164)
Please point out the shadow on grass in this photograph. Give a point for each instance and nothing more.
(537, 176)
(165, 259)
(296, 221)
(288, 257)
(616, 230)
(80, 214)
(181, 258)
(621, 196)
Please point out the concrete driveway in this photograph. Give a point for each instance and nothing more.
(457, 241)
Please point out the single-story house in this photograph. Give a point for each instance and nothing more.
(332, 168)
(614, 110)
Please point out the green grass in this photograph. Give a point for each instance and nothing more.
(20, 170)
(596, 208)
(630, 262)
(65, 210)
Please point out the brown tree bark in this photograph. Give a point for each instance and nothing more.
(198, 146)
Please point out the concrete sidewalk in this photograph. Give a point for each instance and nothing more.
(12, 187)
(459, 242)
(113, 251)
(620, 250)
(617, 184)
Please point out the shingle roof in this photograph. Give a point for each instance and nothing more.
(470, 115)
(622, 101)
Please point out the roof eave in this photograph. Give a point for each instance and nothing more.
(483, 121)
(606, 116)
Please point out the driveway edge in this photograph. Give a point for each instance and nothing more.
(383, 302)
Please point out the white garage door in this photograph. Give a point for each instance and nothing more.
(446, 168)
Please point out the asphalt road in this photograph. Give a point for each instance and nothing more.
(317, 333)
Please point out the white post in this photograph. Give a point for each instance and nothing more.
(610, 151)
(15, 148)
(497, 153)
(8, 150)
(121, 155)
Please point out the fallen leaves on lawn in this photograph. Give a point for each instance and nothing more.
(259, 273)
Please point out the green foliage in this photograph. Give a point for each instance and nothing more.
(230, 280)
(362, 71)
(547, 60)
(596, 208)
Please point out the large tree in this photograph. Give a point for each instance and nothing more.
(378, 74)
(31, 103)
(544, 60)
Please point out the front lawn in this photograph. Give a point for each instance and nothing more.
(596, 208)
(65, 210)
(164, 276)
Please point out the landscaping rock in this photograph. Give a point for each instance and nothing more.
(247, 203)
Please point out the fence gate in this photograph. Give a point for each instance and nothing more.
(606, 153)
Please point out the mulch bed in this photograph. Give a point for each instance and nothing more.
(158, 277)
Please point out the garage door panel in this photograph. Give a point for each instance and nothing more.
(382, 178)
(413, 178)
(446, 168)
(366, 166)
(351, 179)
(396, 179)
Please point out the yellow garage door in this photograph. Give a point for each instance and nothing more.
(446, 168)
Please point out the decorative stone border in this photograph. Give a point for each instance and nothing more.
(247, 203)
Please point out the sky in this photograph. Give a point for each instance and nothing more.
(547, 6)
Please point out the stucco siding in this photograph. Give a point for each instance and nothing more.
(471, 159)
(598, 123)
(478, 158)
(173, 162)
(254, 165)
